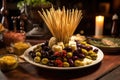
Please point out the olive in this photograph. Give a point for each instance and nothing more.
(71, 62)
(66, 64)
(44, 61)
(95, 50)
(44, 54)
(32, 54)
(83, 43)
(94, 56)
(91, 52)
(81, 55)
(84, 51)
(50, 52)
(38, 54)
(88, 48)
(89, 57)
(83, 46)
(46, 48)
(65, 59)
(37, 59)
(51, 63)
(75, 57)
(52, 57)
(75, 53)
(79, 50)
(69, 54)
(39, 47)
(79, 45)
(78, 63)
(68, 49)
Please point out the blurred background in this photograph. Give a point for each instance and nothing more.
(90, 9)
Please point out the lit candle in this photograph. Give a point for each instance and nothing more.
(99, 25)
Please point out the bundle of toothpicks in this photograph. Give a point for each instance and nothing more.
(61, 22)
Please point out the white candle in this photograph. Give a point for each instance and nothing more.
(99, 25)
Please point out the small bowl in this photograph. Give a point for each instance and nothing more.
(8, 62)
(13, 37)
(20, 47)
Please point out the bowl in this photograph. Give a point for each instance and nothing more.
(8, 62)
(20, 47)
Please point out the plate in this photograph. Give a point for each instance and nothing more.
(30, 60)
(105, 48)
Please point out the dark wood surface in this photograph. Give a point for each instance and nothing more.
(27, 71)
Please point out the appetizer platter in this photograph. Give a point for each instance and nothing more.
(63, 51)
(70, 64)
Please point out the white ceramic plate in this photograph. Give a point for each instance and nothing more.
(27, 57)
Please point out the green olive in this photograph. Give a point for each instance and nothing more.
(91, 52)
(65, 59)
(78, 63)
(66, 64)
(69, 54)
(38, 54)
(94, 56)
(89, 57)
(83, 42)
(44, 60)
(87, 44)
(37, 59)
(85, 51)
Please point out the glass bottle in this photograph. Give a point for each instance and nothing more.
(115, 30)
(4, 14)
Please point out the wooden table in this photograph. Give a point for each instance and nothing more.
(27, 71)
